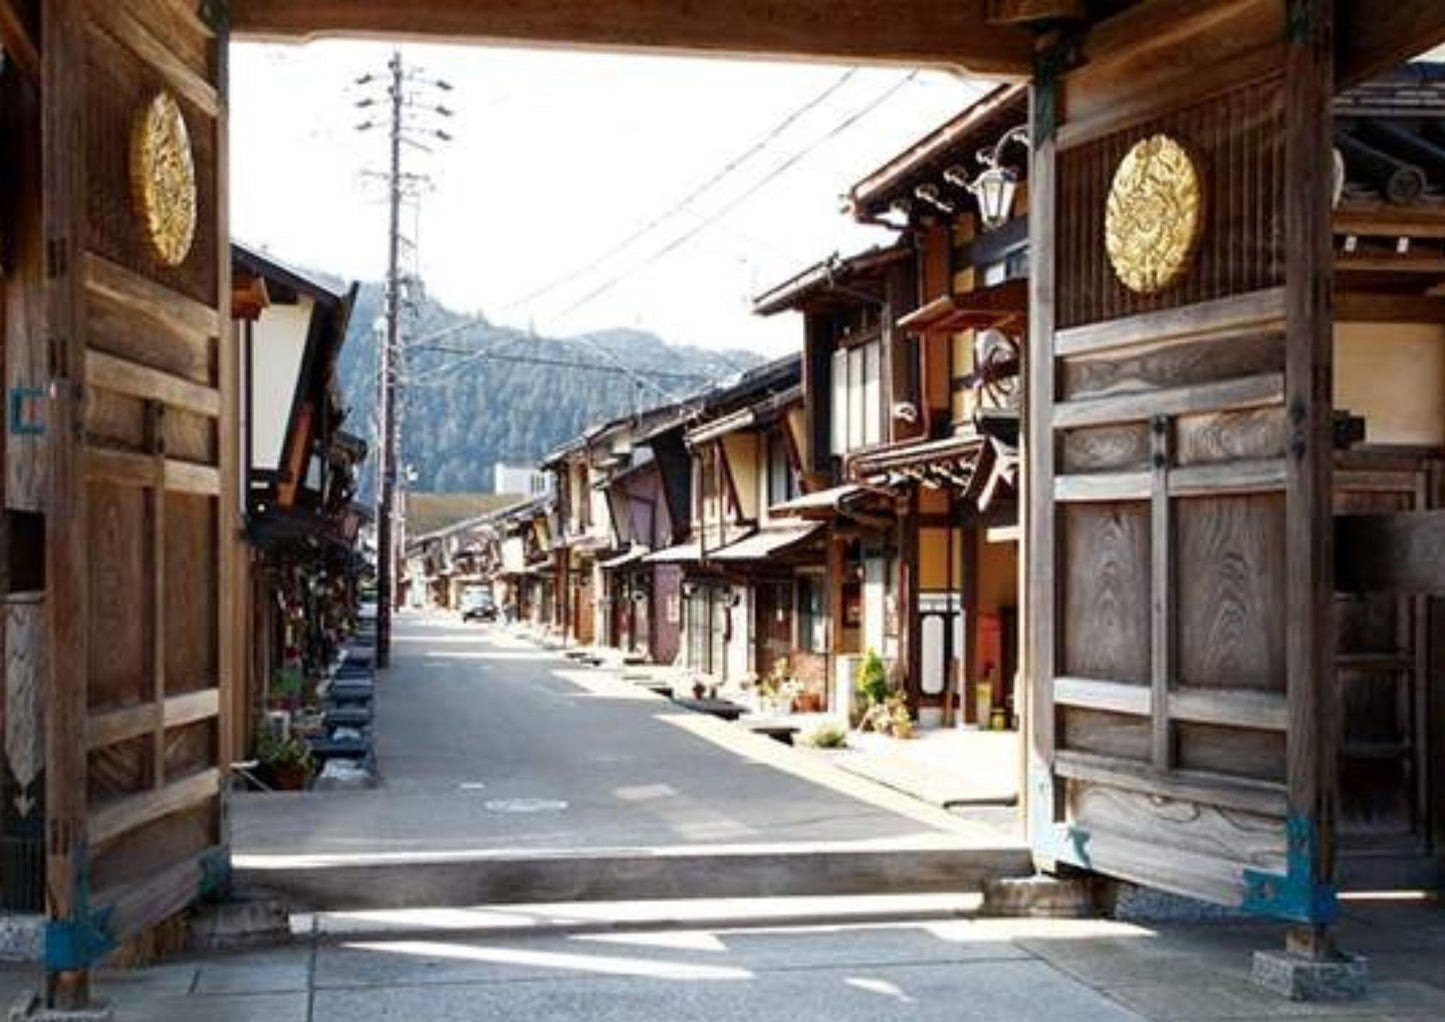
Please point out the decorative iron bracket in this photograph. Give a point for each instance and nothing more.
(80, 942)
(1293, 895)
(23, 422)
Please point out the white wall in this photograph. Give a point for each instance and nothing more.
(1393, 374)
(278, 343)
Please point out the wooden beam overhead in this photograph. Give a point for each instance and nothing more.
(1015, 11)
(1375, 36)
(19, 41)
(1373, 307)
(956, 34)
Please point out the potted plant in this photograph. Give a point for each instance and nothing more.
(285, 760)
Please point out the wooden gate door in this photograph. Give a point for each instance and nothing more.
(1179, 446)
(142, 501)
(1391, 691)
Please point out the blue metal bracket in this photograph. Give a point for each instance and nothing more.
(22, 400)
(80, 942)
(1048, 838)
(216, 875)
(1294, 895)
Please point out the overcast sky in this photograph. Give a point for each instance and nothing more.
(559, 156)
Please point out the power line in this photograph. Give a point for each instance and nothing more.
(768, 137)
(564, 363)
(728, 207)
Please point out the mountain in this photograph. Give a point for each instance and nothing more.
(462, 412)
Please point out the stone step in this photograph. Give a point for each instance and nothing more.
(438, 880)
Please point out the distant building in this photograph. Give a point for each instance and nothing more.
(527, 482)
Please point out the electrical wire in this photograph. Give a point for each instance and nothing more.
(757, 186)
(766, 139)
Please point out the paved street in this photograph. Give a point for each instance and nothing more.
(487, 743)
(1002, 970)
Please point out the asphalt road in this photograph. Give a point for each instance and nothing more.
(487, 743)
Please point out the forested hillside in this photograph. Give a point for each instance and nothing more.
(462, 413)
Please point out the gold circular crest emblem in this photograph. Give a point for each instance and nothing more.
(163, 173)
(1153, 219)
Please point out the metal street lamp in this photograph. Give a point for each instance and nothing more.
(995, 185)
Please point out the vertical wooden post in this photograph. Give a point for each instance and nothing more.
(67, 976)
(156, 561)
(233, 570)
(1037, 455)
(1312, 740)
(1162, 597)
(967, 657)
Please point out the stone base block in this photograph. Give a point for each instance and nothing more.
(240, 924)
(30, 1007)
(1339, 977)
(22, 938)
(1042, 897)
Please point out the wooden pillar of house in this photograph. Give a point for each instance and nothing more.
(837, 574)
(966, 666)
(1313, 735)
(910, 625)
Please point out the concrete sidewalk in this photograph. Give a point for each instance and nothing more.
(838, 969)
(945, 767)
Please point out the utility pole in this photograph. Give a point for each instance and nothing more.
(404, 103)
(385, 553)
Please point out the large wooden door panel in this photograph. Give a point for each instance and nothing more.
(1176, 453)
(142, 469)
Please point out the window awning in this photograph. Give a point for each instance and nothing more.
(984, 307)
(822, 504)
(767, 542)
(625, 558)
(683, 553)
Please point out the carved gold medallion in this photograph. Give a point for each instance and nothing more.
(163, 176)
(1153, 217)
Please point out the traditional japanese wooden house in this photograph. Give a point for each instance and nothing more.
(955, 359)
(724, 503)
(641, 598)
(858, 395)
(300, 518)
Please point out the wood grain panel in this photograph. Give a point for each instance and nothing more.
(190, 593)
(1236, 752)
(119, 771)
(1245, 839)
(124, 333)
(190, 748)
(1104, 568)
(119, 551)
(115, 420)
(190, 437)
(1252, 434)
(131, 858)
(1123, 736)
(1178, 365)
(1231, 592)
(1121, 448)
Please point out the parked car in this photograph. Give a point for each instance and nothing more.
(478, 605)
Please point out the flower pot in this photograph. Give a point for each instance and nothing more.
(288, 776)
